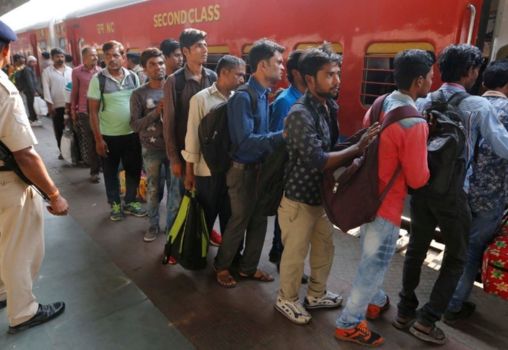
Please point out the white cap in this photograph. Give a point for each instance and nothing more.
(31, 58)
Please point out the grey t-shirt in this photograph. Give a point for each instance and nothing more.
(144, 118)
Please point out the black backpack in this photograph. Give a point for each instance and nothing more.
(213, 133)
(446, 144)
(271, 180)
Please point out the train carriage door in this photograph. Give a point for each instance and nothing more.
(498, 31)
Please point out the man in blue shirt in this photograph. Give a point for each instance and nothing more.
(279, 110)
(252, 142)
(488, 195)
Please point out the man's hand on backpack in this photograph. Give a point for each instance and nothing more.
(369, 136)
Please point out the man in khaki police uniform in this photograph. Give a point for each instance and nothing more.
(21, 219)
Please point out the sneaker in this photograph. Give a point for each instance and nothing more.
(44, 314)
(434, 335)
(215, 238)
(361, 334)
(328, 301)
(293, 311)
(375, 311)
(35, 123)
(134, 208)
(116, 212)
(151, 233)
(450, 318)
(95, 179)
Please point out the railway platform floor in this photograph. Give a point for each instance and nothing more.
(120, 296)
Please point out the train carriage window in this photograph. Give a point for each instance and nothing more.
(336, 47)
(378, 68)
(214, 55)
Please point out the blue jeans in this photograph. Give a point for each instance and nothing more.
(483, 230)
(155, 161)
(378, 241)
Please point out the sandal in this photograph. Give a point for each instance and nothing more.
(259, 276)
(403, 322)
(434, 335)
(224, 279)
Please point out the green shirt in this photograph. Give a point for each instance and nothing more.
(115, 118)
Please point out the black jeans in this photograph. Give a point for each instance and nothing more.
(453, 216)
(125, 148)
(212, 194)
(58, 124)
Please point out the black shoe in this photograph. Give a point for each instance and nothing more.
(3, 304)
(450, 318)
(44, 314)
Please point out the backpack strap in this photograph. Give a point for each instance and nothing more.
(102, 85)
(252, 94)
(377, 108)
(391, 117)
(457, 98)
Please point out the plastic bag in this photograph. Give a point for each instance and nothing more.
(69, 147)
(40, 106)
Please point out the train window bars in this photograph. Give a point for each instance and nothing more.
(378, 68)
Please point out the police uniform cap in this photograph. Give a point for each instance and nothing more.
(6, 33)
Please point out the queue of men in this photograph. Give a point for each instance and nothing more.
(153, 125)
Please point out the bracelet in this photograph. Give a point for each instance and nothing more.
(54, 194)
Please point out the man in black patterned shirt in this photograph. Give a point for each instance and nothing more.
(312, 131)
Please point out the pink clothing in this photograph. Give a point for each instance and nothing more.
(81, 77)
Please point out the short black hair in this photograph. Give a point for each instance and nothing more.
(134, 57)
(57, 51)
(292, 63)
(190, 36)
(456, 60)
(261, 50)
(68, 58)
(408, 65)
(496, 74)
(168, 46)
(112, 44)
(314, 59)
(228, 62)
(16, 57)
(45, 54)
(148, 53)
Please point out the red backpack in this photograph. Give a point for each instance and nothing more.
(351, 193)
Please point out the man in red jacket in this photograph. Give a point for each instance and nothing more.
(402, 144)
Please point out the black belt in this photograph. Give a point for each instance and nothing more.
(243, 166)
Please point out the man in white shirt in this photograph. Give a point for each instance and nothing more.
(211, 189)
(55, 78)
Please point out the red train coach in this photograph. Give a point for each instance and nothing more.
(368, 33)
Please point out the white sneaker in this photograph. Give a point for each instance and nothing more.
(293, 310)
(328, 301)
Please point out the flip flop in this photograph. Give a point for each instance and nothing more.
(224, 279)
(259, 276)
(435, 335)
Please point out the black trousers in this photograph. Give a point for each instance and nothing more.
(127, 149)
(30, 97)
(212, 193)
(58, 124)
(453, 216)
